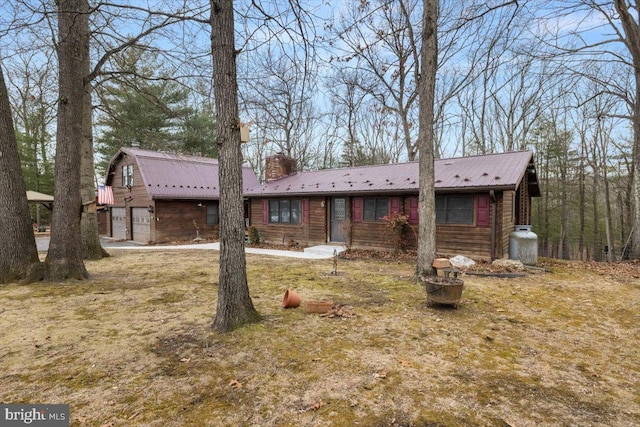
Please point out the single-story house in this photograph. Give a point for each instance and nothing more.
(479, 200)
(161, 197)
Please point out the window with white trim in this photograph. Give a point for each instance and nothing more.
(127, 176)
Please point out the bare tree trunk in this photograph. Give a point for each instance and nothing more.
(64, 259)
(91, 247)
(18, 254)
(427, 211)
(608, 222)
(596, 217)
(635, 199)
(235, 307)
(581, 197)
(628, 12)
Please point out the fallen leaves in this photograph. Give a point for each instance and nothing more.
(316, 406)
(381, 373)
(404, 362)
(340, 310)
(235, 384)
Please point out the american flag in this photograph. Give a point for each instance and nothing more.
(105, 195)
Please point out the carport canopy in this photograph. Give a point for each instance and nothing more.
(35, 197)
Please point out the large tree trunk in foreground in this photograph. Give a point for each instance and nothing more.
(64, 259)
(18, 253)
(235, 307)
(426, 139)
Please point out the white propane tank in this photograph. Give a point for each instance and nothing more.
(523, 245)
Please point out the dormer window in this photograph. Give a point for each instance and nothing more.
(127, 176)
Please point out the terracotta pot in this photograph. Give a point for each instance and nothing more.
(318, 306)
(291, 299)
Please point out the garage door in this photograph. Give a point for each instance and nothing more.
(118, 224)
(141, 225)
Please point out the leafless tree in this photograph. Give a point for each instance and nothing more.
(64, 258)
(235, 307)
(280, 91)
(427, 205)
(622, 47)
(18, 255)
(378, 39)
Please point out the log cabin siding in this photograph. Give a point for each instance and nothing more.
(452, 239)
(311, 232)
(506, 223)
(176, 220)
(468, 240)
(370, 235)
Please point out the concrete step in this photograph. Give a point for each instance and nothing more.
(325, 249)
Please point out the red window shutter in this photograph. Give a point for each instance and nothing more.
(265, 211)
(305, 211)
(413, 210)
(395, 205)
(357, 209)
(482, 210)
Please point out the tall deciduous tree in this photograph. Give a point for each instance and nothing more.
(379, 37)
(64, 258)
(426, 138)
(18, 253)
(628, 15)
(31, 82)
(235, 307)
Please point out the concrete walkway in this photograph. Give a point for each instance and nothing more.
(313, 252)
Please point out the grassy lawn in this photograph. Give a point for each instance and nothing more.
(133, 346)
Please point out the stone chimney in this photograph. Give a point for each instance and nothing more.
(278, 166)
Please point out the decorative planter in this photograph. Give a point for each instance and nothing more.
(443, 290)
(291, 299)
(318, 306)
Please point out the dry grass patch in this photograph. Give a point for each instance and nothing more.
(133, 346)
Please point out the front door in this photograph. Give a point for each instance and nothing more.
(338, 219)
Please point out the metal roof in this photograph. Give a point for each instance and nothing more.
(492, 171)
(36, 197)
(176, 176)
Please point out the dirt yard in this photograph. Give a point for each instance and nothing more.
(133, 347)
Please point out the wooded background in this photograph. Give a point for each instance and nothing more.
(335, 84)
